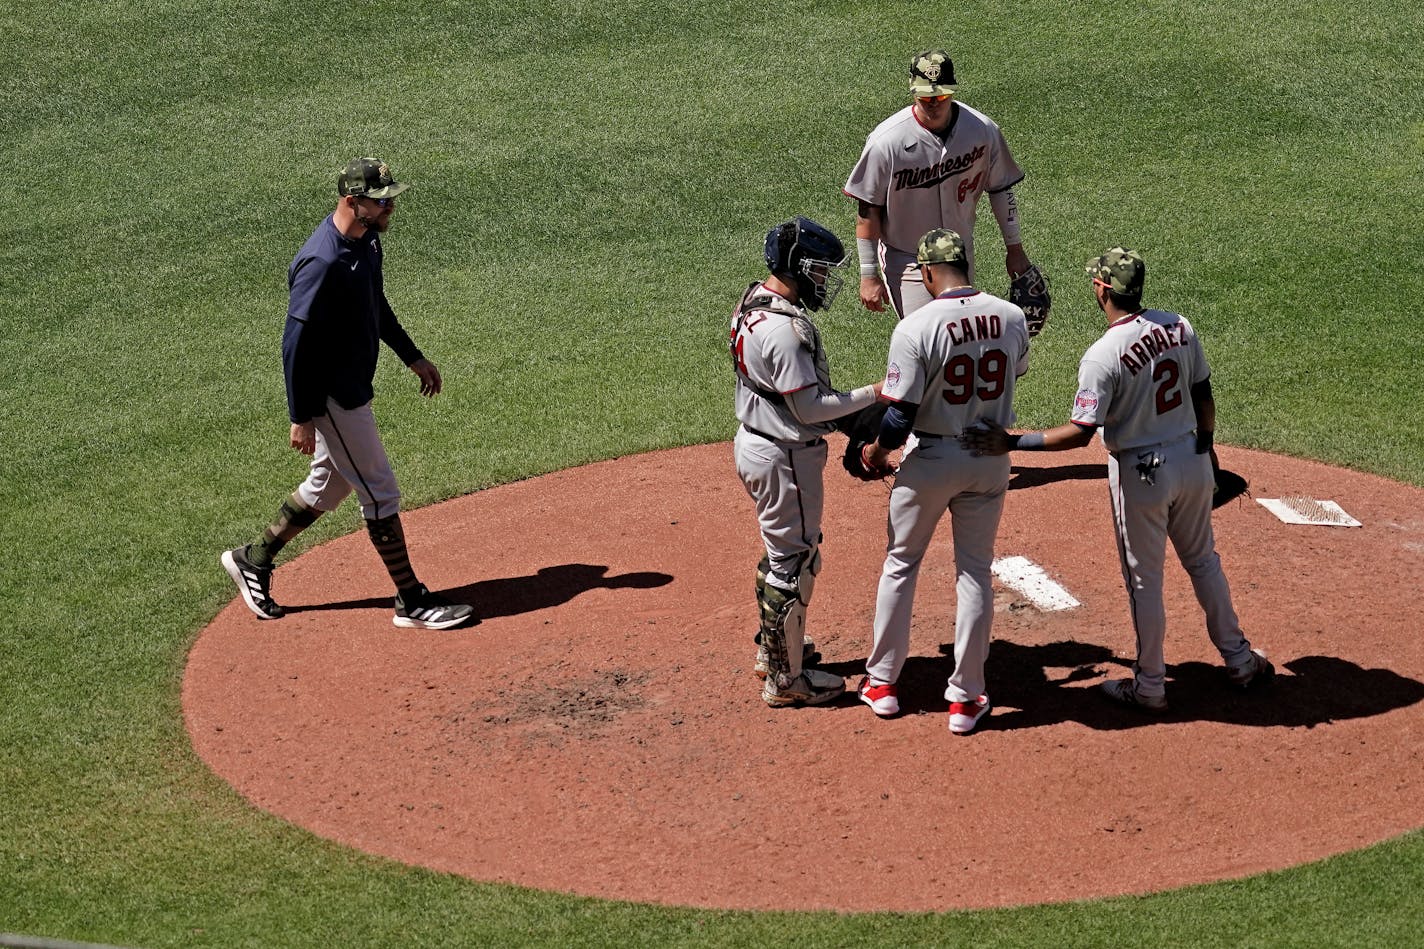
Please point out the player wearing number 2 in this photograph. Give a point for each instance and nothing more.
(1147, 383)
(952, 361)
(925, 167)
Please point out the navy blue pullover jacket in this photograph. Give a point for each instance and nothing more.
(337, 317)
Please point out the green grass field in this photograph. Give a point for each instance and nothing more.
(592, 183)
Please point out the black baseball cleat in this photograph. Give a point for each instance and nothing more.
(253, 582)
(1256, 673)
(421, 609)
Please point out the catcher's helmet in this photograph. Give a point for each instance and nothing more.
(804, 253)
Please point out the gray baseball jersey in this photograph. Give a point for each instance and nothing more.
(1135, 381)
(778, 351)
(924, 181)
(958, 357)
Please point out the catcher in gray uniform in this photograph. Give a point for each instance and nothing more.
(786, 406)
(926, 167)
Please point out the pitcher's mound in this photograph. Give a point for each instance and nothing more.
(599, 731)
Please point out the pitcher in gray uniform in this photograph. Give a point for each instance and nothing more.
(1147, 383)
(786, 406)
(953, 361)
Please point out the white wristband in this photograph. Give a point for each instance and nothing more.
(865, 249)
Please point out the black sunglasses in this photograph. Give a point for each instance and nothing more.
(379, 202)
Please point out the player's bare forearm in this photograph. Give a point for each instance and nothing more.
(1065, 437)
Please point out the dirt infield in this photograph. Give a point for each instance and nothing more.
(599, 731)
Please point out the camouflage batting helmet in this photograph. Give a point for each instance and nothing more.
(942, 246)
(932, 73)
(1120, 269)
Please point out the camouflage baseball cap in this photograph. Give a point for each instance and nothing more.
(368, 178)
(1121, 269)
(932, 73)
(942, 246)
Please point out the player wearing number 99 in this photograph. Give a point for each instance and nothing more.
(952, 361)
(1147, 383)
(786, 406)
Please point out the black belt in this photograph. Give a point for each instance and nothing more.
(781, 441)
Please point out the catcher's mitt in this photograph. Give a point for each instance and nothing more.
(1029, 292)
(1229, 487)
(861, 429)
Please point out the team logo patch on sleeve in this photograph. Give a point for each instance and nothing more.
(892, 377)
(1086, 399)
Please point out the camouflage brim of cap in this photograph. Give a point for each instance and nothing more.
(942, 246)
(1123, 270)
(368, 178)
(932, 73)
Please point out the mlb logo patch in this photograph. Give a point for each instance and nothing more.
(1087, 400)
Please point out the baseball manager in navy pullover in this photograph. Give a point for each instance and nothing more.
(337, 317)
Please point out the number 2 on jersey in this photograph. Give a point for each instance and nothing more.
(961, 372)
(1168, 395)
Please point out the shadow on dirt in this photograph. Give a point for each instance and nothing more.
(510, 596)
(1020, 478)
(1033, 686)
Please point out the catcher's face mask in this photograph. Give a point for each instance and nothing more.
(820, 282)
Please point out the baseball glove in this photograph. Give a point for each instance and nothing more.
(861, 430)
(1229, 487)
(1029, 292)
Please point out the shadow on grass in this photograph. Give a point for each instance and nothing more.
(1033, 686)
(510, 596)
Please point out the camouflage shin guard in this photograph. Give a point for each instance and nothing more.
(775, 604)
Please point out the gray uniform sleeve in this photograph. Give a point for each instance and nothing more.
(905, 371)
(1095, 393)
(814, 405)
(1004, 172)
(870, 178)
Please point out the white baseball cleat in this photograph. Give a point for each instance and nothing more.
(883, 699)
(963, 716)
